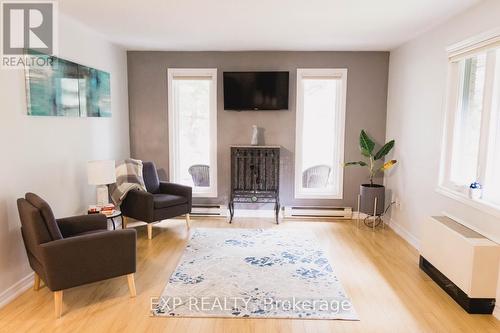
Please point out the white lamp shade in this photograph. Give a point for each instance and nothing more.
(101, 172)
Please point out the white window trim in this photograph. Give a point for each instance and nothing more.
(474, 44)
(479, 204)
(340, 73)
(211, 191)
(456, 53)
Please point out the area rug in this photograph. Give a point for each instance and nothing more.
(269, 273)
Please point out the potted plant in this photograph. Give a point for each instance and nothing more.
(375, 165)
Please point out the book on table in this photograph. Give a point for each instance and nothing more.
(107, 210)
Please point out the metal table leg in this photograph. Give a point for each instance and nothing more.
(113, 222)
(231, 210)
(277, 210)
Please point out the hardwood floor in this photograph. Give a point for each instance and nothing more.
(378, 270)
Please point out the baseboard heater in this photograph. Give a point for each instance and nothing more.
(462, 262)
(312, 211)
(209, 210)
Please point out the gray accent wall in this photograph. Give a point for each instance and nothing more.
(366, 109)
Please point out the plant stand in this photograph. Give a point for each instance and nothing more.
(375, 218)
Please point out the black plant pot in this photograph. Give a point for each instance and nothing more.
(368, 194)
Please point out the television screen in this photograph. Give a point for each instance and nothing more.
(255, 91)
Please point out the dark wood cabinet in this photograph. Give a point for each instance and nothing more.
(255, 176)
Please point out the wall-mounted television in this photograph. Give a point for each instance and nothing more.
(255, 91)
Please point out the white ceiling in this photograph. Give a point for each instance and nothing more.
(261, 24)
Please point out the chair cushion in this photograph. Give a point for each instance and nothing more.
(167, 200)
(88, 232)
(47, 215)
(150, 175)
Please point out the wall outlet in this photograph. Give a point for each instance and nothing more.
(397, 202)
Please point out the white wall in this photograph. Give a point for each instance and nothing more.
(415, 115)
(47, 155)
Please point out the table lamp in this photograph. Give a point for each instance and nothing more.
(101, 173)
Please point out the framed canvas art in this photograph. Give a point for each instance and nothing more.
(67, 89)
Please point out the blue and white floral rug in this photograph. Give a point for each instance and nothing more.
(271, 273)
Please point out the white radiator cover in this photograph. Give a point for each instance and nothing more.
(289, 212)
(466, 257)
(208, 210)
(310, 211)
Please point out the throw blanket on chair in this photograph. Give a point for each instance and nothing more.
(128, 177)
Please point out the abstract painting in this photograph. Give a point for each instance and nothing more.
(67, 89)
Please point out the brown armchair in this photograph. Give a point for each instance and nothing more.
(161, 201)
(73, 251)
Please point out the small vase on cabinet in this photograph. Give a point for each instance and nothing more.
(255, 136)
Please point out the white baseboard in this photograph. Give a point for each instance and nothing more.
(254, 213)
(404, 233)
(496, 312)
(16, 289)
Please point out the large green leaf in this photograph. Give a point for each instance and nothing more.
(360, 163)
(384, 150)
(366, 144)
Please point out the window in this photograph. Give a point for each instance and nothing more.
(465, 154)
(472, 130)
(319, 145)
(192, 122)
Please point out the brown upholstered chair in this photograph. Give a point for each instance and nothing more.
(161, 201)
(73, 251)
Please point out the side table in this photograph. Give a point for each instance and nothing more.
(112, 217)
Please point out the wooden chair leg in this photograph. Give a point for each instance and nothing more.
(58, 297)
(131, 285)
(36, 284)
(124, 222)
(188, 219)
(150, 230)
